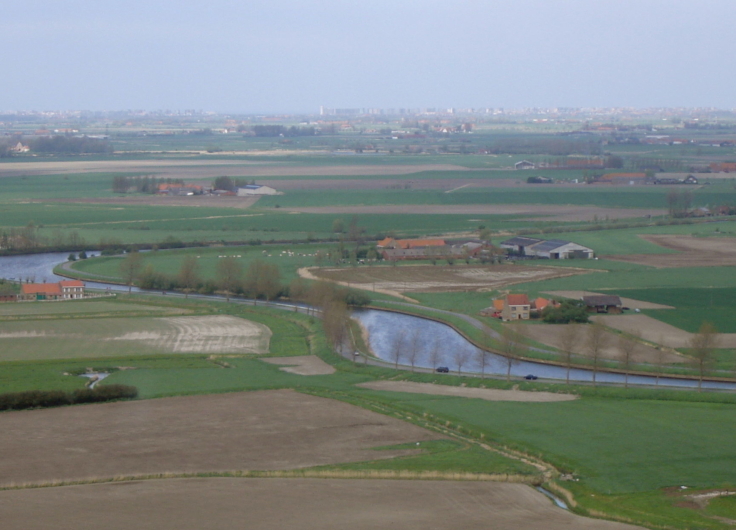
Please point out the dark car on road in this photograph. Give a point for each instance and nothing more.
(443, 369)
(531, 377)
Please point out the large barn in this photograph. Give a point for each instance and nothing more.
(546, 248)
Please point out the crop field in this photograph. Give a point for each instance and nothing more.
(441, 278)
(80, 308)
(119, 337)
(308, 504)
(690, 252)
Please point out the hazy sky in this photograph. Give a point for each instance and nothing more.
(289, 55)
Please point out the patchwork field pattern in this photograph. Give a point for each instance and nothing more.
(109, 337)
(692, 252)
(428, 278)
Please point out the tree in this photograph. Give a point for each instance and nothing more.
(702, 345)
(224, 183)
(595, 341)
(414, 348)
(130, 267)
(72, 257)
(511, 347)
(335, 322)
(188, 277)
(481, 357)
(263, 279)
(298, 290)
(229, 273)
(434, 355)
(628, 349)
(461, 356)
(569, 337)
(338, 226)
(397, 348)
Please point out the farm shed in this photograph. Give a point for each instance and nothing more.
(559, 249)
(524, 164)
(255, 189)
(626, 179)
(603, 303)
(518, 245)
(63, 290)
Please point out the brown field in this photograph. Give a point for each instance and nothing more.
(489, 394)
(550, 334)
(439, 278)
(534, 211)
(693, 252)
(266, 430)
(302, 365)
(628, 302)
(277, 503)
(209, 169)
(659, 332)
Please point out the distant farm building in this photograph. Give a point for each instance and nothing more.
(180, 189)
(63, 290)
(390, 242)
(256, 189)
(427, 249)
(540, 180)
(546, 248)
(625, 179)
(674, 180)
(726, 167)
(603, 303)
(516, 307)
(524, 164)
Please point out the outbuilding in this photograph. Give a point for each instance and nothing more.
(603, 303)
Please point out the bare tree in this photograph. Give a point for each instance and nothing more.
(189, 275)
(511, 346)
(397, 348)
(297, 291)
(569, 338)
(702, 346)
(262, 279)
(434, 355)
(130, 267)
(628, 349)
(413, 350)
(481, 357)
(335, 322)
(462, 356)
(595, 342)
(229, 275)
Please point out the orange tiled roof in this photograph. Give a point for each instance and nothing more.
(610, 176)
(40, 288)
(540, 303)
(71, 283)
(517, 299)
(416, 243)
(498, 304)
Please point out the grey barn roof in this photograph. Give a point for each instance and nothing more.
(550, 244)
(521, 241)
(602, 300)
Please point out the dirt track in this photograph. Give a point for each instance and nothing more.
(276, 429)
(302, 365)
(489, 394)
(692, 252)
(276, 504)
(535, 211)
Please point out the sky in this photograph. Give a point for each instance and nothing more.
(282, 56)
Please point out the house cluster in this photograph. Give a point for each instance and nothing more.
(422, 249)
(179, 189)
(546, 248)
(193, 189)
(516, 307)
(63, 290)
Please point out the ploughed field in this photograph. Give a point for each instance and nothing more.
(439, 278)
(307, 504)
(109, 337)
(691, 252)
(265, 430)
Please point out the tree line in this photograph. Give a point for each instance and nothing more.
(141, 184)
(72, 145)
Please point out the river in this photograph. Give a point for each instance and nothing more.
(383, 329)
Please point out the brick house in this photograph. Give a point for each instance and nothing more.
(63, 290)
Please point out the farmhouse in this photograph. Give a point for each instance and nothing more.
(256, 189)
(603, 303)
(516, 307)
(179, 189)
(63, 290)
(390, 242)
(550, 249)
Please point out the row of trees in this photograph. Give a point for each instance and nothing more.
(144, 184)
(70, 145)
(27, 238)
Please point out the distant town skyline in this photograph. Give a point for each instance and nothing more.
(290, 56)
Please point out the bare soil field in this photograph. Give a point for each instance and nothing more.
(549, 211)
(489, 394)
(693, 252)
(207, 169)
(302, 365)
(550, 334)
(209, 201)
(658, 332)
(628, 302)
(439, 278)
(266, 430)
(275, 503)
